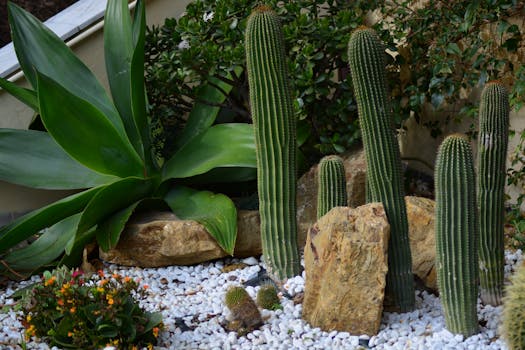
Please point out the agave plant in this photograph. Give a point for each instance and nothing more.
(102, 147)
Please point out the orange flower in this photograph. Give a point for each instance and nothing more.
(115, 275)
(103, 282)
(145, 286)
(155, 331)
(127, 279)
(100, 273)
(60, 302)
(50, 281)
(70, 334)
(73, 310)
(110, 300)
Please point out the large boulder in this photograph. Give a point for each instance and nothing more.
(346, 261)
(161, 239)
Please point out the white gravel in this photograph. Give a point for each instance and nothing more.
(195, 295)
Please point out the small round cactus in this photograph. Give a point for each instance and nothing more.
(514, 311)
(267, 297)
(243, 308)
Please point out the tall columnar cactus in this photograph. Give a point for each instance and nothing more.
(275, 142)
(514, 311)
(456, 235)
(367, 66)
(331, 189)
(492, 153)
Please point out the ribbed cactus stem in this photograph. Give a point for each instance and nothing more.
(514, 311)
(384, 178)
(331, 189)
(456, 235)
(275, 142)
(492, 154)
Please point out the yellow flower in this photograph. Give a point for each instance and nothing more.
(31, 331)
(150, 346)
(65, 288)
(28, 318)
(100, 289)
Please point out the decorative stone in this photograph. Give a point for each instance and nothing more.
(346, 261)
(161, 239)
(421, 232)
(355, 169)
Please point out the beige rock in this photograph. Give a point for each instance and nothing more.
(355, 169)
(346, 265)
(421, 214)
(161, 239)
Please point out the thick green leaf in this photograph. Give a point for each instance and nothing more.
(113, 198)
(29, 224)
(23, 95)
(216, 212)
(223, 145)
(118, 52)
(49, 246)
(138, 92)
(74, 252)
(205, 109)
(39, 49)
(32, 158)
(223, 175)
(84, 132)
(108, 231)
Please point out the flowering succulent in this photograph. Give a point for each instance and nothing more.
(71, 310)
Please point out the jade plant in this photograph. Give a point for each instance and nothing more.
(513, 326)
(275, 142)
(457, 235)
(492, 154)
(102, 145)
(331, 189)
(366, 56)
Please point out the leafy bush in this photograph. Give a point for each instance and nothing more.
(70, 310)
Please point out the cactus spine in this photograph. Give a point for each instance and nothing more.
(456, 235)
(384, 178)
(267, 297)
(514, 311)
(243, 309)
(492, 153)
(275, 142)
(331, 191)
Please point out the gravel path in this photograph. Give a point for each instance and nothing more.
(191, 301)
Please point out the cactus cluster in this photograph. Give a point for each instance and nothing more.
(492, 153)
(366, 56)
(456, 235)
(275, 142)
(514, 311)
(331, 190)
(267, 297)
(243, 309)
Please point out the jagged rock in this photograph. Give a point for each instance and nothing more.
(161, 239)
(346, 257)
(355, 169)
(421, 217)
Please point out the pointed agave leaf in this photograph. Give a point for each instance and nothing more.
(216, 212)
(205, 109)
(29, 224)
(108, 231)
(118, 50)
(223, 145)
(224, 175)
(75, 248)
(49, 246)
(24, 95)
(84, 132)
(32, 158)
(39, 49)
(113, 198)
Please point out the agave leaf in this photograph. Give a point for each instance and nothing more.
(29, 224)
(48, 247)
(84, 132)
(32, 158)
(223, 145)
(109, 230)
(39, 49)
(205, 109)
(118, 50)
(22, 94)
(113, 198)
(216, 212)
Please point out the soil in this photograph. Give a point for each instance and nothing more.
(42, 9)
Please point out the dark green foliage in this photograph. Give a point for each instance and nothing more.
(492, 154)
(457, 235)
(275, 142)
(366, 56)
(514, 311)
(331, 191)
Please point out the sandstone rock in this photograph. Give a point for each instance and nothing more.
(346, 265)
(355, 168)
(161, 239)
(420, 214)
